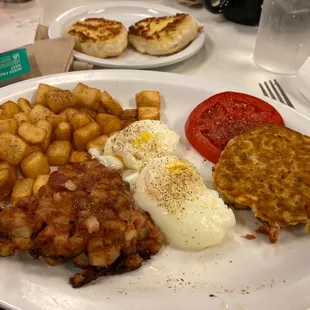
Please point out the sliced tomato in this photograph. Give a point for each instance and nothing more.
(224, 116)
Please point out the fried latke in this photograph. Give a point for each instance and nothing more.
(85, 213)
(268, 170)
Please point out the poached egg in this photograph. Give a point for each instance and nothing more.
(141, 142)
(191, 216)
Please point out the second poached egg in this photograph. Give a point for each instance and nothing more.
(191, 216)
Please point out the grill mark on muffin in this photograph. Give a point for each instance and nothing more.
(143, 27)
(104, 29)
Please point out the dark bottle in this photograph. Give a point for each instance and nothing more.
(246, 12)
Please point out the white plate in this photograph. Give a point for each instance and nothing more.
(127, 12)
(242, 274)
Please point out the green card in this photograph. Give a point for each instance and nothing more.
(14, 63)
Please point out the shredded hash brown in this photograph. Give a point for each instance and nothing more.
(268, 170)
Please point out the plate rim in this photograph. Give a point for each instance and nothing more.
(193, 48)
(118, 75)
(155, 76)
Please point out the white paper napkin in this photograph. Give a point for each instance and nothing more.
(303, 80)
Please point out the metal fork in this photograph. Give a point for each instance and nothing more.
(276, 92)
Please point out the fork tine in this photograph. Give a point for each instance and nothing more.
(276, 92)
(263, 89)
(287, 100)
(269, 91)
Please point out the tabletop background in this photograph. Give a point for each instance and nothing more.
(227, 55)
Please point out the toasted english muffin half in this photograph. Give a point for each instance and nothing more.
(99, 37)
(163, 35)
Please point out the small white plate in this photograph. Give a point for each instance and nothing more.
(238, 274)
(127, 12)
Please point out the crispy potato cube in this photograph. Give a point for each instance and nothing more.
(32, 148)
(148, 113)
(24, 105)
(88, 97)
(127, 122)
(148, 98)
(3, 115)
(32, 134)
(63, 132)
(111, 125)
(102, 117)
(78, 157)
(8, 125)
(59, 100)
(97, 143)
(10, 108)
(102, 109)
(89, 112)
(40, 181)
(111, 104)
(113, 133)
(34, 164)
(37, 113)
(12, 148)
(85, 134)
(20, 117)
(41, 91)
(22, 188)
(58, 153)
(49, 131)
(129, 114)
(56, 119)
(7, 179)
(68, 112)
(79, 120)
(4, 164)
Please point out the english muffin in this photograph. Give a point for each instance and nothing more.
(163, 35)
(267, 169)
(99, 37)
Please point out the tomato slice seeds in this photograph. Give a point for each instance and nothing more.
(224, 116)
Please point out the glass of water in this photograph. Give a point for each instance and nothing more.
(283, 39)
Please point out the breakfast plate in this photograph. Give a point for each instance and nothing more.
(127, 12)
(236, 274)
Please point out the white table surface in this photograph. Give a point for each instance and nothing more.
(227, 55)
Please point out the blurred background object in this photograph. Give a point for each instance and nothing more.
(246, 12)
(191, 2)
(16, 1)
(283, 39)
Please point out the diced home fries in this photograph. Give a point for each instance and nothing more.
(8, 125)
(32, 134)
(40, 180)
(22, 188)
(24, 105)
(59, 127)
(10, 108)
(63, 131)
(58, 153)
(34, 164)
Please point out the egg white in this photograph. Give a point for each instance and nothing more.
(106, 160)
(191, 216)
(141, 142)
